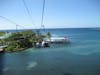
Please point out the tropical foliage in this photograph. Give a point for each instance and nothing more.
(24, 39)
(2, 33)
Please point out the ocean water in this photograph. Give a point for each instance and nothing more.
(80, 57)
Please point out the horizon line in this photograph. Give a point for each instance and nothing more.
(51, 28)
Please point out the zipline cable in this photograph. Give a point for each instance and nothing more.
(26, 7)
(13, 22)
(42, 19)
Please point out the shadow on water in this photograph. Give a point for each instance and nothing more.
(1, 63)
(67, 73)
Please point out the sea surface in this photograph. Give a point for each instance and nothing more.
(80, 57)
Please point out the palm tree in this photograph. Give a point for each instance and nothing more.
(49, 36)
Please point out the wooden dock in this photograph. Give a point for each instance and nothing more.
(2, 48)
(58, 40)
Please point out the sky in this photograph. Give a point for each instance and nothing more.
(57, 14)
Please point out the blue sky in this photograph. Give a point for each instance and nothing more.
(58, 13)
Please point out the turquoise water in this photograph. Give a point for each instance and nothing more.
(81, 57)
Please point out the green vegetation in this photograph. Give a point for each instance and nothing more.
(49, 35)
(24, 39)
(12, 47)
(2, 33)
(1, 42)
